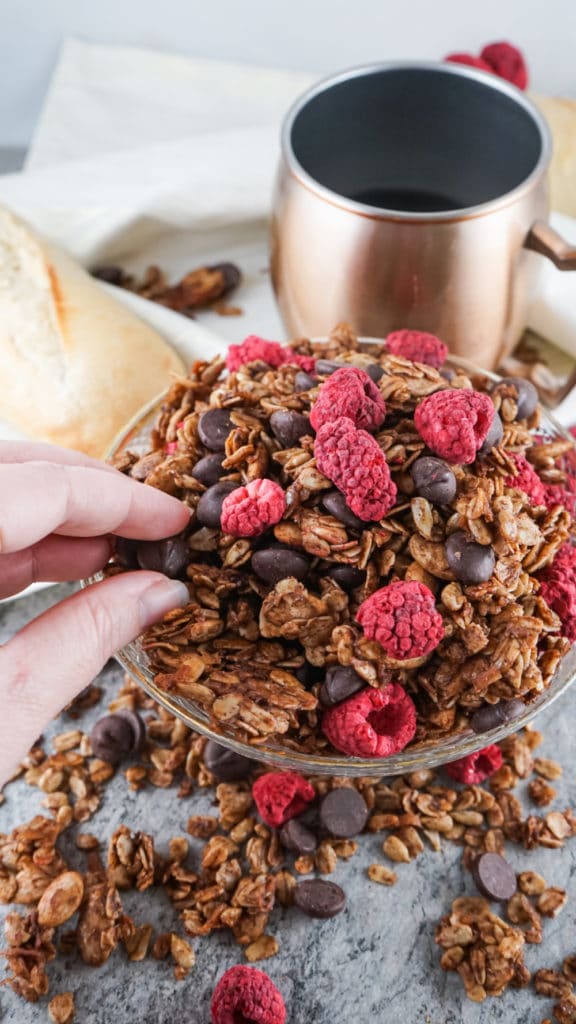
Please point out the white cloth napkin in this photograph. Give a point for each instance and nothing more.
(144, 157)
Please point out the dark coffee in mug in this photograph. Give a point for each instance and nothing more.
(413, 200)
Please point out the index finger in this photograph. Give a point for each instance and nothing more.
(40, 498)
(37, 451)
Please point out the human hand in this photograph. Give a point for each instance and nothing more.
(57, 511)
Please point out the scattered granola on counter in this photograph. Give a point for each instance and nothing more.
(198, 289)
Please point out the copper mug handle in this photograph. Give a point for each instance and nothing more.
(544, 239)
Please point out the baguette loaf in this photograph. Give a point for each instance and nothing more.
(75, 364)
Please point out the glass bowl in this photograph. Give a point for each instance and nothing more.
(427, 754)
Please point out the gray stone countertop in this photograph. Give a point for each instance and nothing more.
(377, 963)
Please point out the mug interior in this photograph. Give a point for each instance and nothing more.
(420, 139)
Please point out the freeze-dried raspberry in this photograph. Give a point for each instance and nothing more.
(255, 349)
(249, 511)
(373, 723)
(526, 479)
(245, 995)
(468, 58)
(507, 61)
(558, 588)
(349, 392)
(280, 796)
(352, 460)
(454, 423)
(170, 447)
(475, 767)
(418, 346)
(403, 618)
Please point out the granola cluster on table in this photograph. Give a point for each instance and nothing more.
(379, 550)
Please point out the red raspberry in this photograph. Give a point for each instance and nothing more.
(258, 349)
(245, 995)
(506, 61)
(352, 460)
(373, 723)
(475, 767)
(403, 618)
(418, 346)
(280, 796)
(249, 511)
(349, 392)
(558, 588)
(468, 58)
(526, 479)
(454, 423)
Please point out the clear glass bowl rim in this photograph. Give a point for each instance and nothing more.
(424, 755)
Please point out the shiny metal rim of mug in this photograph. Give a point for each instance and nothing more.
(424, 755)
(486, 78)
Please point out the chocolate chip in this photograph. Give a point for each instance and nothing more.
(209, 508)
(326, 367)
(447, 373)
(230, 274)
(433, 480)
(346, 576)
(309, 674)
(374, 371)
(276, 563)
(494, 877)
(527, 396)
(169, 556)
(318, 898)
(226, 765)
(335, 503)
(343, 812)
(110, 274)
(112, 738)
(341, 682)
(214, 426)
(304, 381)
(294, 835)
(138, 726)
(492, 715)
(208, 470)
(494, 435)
(125, 552)
(470, 562)
(289, 426)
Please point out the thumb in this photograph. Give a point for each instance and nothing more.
(49, 661)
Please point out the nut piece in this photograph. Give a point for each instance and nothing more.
(396, 850)
(263, 948)
(183, 955)
(61, 899)
(551, 901)
(381, 874)
(61, 1008)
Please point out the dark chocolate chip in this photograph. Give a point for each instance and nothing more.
(214, 426)
(374, 371)
(494, 435)
(343, 812)
(208, 470)
(447, 373)
(276, 563)
(112, 738)
(309, 674)
(335, 503)
(492, 715)
(170, 556)
(226, 765)
(527, 396)
(294, 835)
(326, 367)
(230, 273)
(494, 877)
(346, 576)
(433, 480)
(304, 381)
(289, 426)
(110, 274)
(138, 726)
(125, 552)
(470, 562)
(340, 683)
(318, 898)
(209, 508)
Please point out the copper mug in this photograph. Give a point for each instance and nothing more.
(414, 195)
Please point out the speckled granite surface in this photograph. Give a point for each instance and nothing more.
(375, 964)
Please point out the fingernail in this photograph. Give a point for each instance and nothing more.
(161, 598)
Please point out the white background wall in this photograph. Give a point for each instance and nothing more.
(311, 35)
